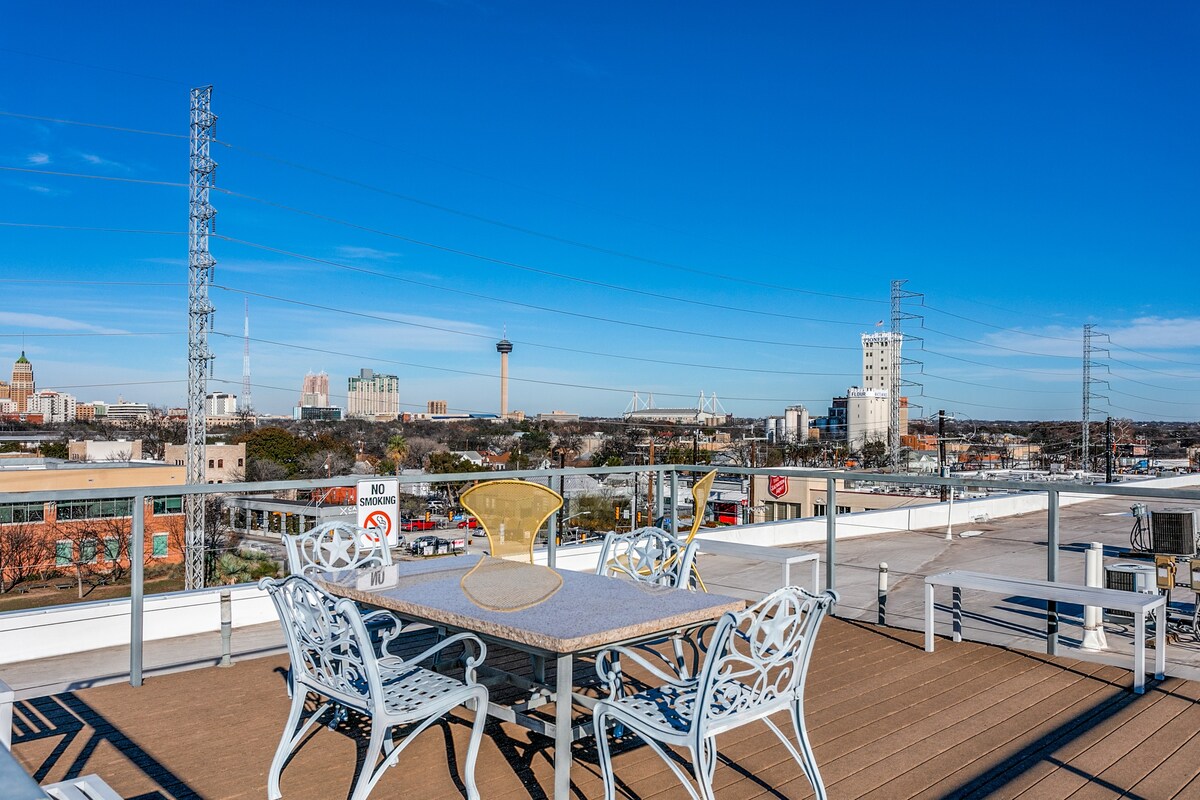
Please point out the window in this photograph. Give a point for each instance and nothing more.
(210, 463)
(220, 463)
(158, 545)
(168, 505)
(63, 550)
(87, 550)
(95, 509)
(112, 548)
(240, 462)
(22, 512)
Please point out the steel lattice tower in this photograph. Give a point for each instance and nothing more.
(200, 270)
(1089, 353)
(897, 381)
(247, 404)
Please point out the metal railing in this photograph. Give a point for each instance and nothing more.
(658, 473)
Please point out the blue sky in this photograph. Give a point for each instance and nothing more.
(717, 196)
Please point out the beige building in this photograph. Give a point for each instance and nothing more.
(436, 407)
(799, 498)
(51, 475)
(224, 463)
(22, 385)
(868, 414)
(372, 396)
(109, 450)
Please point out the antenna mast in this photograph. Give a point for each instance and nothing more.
(247, 403)
(200, 269)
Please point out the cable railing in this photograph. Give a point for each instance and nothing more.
(656, 491)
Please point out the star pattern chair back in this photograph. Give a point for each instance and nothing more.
(333, 546)
(758, 659)
(511, 513)
(649, 555)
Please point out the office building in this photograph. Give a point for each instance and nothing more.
(220, 404)
(372, 396)
(53, 406)
(436, 407)
(315, 391)
(22, 386)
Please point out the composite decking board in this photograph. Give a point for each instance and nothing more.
(932, 736)
(1144, 758)
(1101, 753)
(928, 704)
(210, 733)
(1045, 763)
(962, 766)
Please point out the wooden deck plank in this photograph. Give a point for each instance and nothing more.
(884, 716)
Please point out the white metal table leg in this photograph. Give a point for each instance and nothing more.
(1139, 652)
(929, 618)
(816, 575)
(563, 678)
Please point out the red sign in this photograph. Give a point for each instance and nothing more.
(777, 485)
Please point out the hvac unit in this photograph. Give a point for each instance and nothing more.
(1130, 578)
(1173, 532)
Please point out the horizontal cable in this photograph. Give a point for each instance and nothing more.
(114, 178)
(92, 125)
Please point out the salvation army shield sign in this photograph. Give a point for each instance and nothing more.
(777, 485)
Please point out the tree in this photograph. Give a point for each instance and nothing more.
(24, 551)
(397, 451)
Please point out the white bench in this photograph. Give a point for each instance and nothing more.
(1134, 602)
(758, 552)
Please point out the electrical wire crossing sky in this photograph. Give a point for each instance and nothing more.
(665, 199)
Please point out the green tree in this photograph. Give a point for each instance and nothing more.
(397, 450)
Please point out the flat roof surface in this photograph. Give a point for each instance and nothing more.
(887, 721)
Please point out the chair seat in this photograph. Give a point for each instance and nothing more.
(411, 690)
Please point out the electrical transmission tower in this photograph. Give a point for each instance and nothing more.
(1089, 363)
(899, 294)
(200, 269)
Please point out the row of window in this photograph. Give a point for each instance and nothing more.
(64, 549)
(220, 463)
(85, 509)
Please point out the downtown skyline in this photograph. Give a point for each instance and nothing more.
(669, 200)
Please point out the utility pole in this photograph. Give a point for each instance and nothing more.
(1108, 450)
(942, 466)
(200, 269)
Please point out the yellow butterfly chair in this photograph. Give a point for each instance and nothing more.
(511, 513)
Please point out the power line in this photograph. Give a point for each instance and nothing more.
(538, 234)
(547, 309)
(88, 334)
(88, 228)
(92, 125)
(998, 366)
(526, 267)
(996, 346)
(996, 327)
(113, 178)
(1156, 358)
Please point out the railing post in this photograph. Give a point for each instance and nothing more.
(7, 697)
(658, 495)
(137, 587)
(226, 628)
(674, 501)
(1052, 569)
(1093, 619)
(830, 533)
(883, 592)
(552, 541)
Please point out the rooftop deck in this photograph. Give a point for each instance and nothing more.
(887, 720)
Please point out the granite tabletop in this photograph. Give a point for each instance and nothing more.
(557, 611)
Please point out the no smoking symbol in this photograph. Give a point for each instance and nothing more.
(380, 520)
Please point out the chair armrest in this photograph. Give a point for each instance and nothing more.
(385, 625)
(611, 672)
(470, 660)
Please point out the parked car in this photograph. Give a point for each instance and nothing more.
(435, 543)
(410, 525)
(469, 522)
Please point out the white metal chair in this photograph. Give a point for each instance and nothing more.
(335, 545)
(649, 555)
(756, 664)
(332, 658)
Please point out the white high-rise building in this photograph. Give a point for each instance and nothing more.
(878, 349)
(53, 406)
(372, 396)
(220, 404)
(868, 413)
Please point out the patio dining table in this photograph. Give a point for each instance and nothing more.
(544, 612)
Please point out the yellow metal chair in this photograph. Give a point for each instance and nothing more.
(700, 491)
(511, 513)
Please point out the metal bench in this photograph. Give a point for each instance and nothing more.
(1134, 602)
(88, 787)
(758, 552)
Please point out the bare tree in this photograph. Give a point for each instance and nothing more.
(24, 551)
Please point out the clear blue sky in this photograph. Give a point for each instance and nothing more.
(753, 175)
